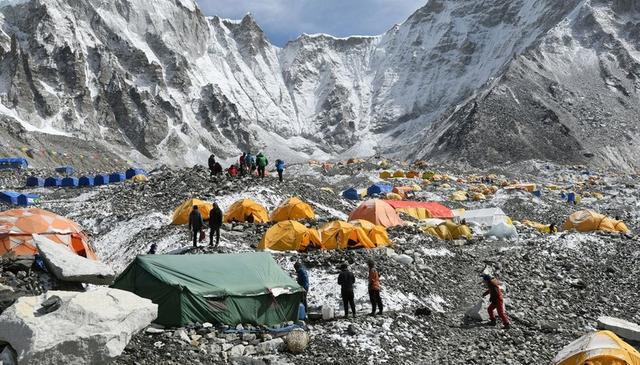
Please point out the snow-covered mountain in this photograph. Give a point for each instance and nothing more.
(161, 80)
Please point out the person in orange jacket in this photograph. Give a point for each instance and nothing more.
(496, 301)
(374, 289)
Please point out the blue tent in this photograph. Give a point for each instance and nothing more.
(135, 171)
(70, 181)
(35, 181)
(28, 199)
(351, 194)
(10, 197)
(13, 163)
(65, 170)
(53, 181)
(86, 181)
(377, 189)
(101, 180)
(117, 177)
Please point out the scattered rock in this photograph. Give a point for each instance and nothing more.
(625, 329)
(297, 341)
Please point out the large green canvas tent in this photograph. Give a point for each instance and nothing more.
(222, 289)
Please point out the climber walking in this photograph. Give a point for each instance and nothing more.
(212, 164)
(496, 301)
(280, 168)
(215, 223)
(346, 281)
(374, 289)
(261, 162)
(195, 224)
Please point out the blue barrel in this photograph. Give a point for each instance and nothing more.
(537, 193)
(571, 197)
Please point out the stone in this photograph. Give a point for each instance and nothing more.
(182, 335)
(100, 322)
(248, 337)
(231, 337)
(207, 325)
(215, 348)
(153, 330)
(226, 347)
(249, 350)
(297, 341)
(68, 266)
(404, 259)
(196, 337)
(271, 346)
(237, 350)
(625, 329)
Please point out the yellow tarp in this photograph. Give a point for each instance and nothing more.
(246, 210)
(448, 231)
(588, 220)
(181, 213)
(342, 235)
(292, 209)
(598, 348)
(543, 228)
(290, 236)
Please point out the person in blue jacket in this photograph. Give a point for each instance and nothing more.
(280, 168)
(303, 280)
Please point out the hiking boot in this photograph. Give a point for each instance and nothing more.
(371, 314)
(380, 313)
(492, 323)
(507, 326)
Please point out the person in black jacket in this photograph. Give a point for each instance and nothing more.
(195, 224)
(346, 281)
(215, 222)
(212, 163)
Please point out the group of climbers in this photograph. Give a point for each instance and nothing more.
(196, 225)
(346, 280)
(247, 164)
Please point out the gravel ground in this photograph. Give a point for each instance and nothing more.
(556, 285)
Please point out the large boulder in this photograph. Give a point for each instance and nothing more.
(297, 341)
(68, 266)
(625, 329)
(88, 327)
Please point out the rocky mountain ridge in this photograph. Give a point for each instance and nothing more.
(167, 83)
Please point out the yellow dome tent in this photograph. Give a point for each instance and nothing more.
(398, 173)
(448, 231)
(587, 220)
(342, 235)
(139, 178)
(377, 234)
(292, 209)
(181, 214)
(598, 348)
(428, 175)
(246, 210)
(412, 174)
(385, 175)
(393, 196)
(290, 236)
(459, 196)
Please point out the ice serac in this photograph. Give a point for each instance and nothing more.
(165, 82)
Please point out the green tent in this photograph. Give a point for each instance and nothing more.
(222, 289)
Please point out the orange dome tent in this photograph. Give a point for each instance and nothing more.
(17, 227)
(377, 234)
(343, 235)
(292, 209)
(246, 210)
(377, 212)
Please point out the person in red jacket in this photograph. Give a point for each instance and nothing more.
(233, 171)
(496, 301)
